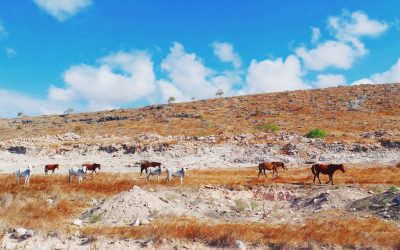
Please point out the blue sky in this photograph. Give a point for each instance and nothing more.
(95, 54)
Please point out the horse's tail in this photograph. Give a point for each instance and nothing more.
(313, 169)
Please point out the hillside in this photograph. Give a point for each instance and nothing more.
(344, 112)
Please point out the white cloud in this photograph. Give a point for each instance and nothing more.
(347, 47)
(10, 52)
(275, 75)
(329, 80)
(363, 81)
(329, 54)
(12, 102)
(60, 95)
(62, 9)
(121, 78)
(316, 34)
(190, 77)
(390, 76)
(224, 51)
(356, 24)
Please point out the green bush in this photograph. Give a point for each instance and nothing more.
(96, 218)
(316, 133)
(392, 189)
(270, 127)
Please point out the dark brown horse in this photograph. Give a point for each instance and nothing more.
(328, 169)
(263, 166)
(49, 167)
(91, 167)
(144, 165)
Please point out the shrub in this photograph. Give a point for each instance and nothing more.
(96, 218)
(271, 127)
(316, 133)
(19, 127)
(392, 190)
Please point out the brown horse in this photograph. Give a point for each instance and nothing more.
(91, 167)
(144, 165)
(49, 167)
(328, 169)
(270, 166)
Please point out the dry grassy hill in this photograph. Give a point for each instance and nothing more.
(344, 112)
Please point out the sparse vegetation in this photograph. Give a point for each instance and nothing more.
(171, 100)
(78, 129)
(219, 93)
(323, 230)
(96, 217)
(18, 127)
(68, 111)
(270, 127)
(316, 133)
(393, 189)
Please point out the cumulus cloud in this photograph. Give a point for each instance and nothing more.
(12, 102)
(327, 54)
(356, 24)
(275, 75)
(224, 51)
(60, 95)
(62, 9)
(329, 80)
(188, 77)
(120, 78)
(341, 52)
(390, 76)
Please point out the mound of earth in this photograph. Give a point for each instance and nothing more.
(386, 205)
(329, 199)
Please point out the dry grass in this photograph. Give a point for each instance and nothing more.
(294, 111)
(71, 199)
(338, 230)
(28, 206)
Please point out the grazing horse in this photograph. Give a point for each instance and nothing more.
(171, 172)
(91, 167)
(263, 166)
(328, 169)
(144, 165)
(26, 173)
(154, 171)
(49, 167)
(80, 172)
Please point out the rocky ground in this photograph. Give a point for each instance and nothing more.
(118, 154)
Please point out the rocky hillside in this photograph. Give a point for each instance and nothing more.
(349, 114)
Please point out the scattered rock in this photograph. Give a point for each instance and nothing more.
(22, 233)
(240, 245)
(136, 223)
(144, 222)
(77, 222)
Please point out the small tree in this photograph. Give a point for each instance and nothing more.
(219, 92)
(68, 111)
(171, 99)
(20, 113)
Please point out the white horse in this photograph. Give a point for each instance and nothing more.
(26, 173)
(174, 172)
(80, 172)
(154, 171)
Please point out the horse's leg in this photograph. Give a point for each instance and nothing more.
(330, 179)
(181, 180)
(318, 178)
(265, 173)
(314, 178)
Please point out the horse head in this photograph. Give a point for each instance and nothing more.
(341, 167)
